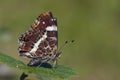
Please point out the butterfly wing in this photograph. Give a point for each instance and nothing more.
(41, 40)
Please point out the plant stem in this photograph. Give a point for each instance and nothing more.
(23, 76)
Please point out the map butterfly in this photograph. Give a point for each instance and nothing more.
(40, 42)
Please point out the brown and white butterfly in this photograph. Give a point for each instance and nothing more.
(40, 42)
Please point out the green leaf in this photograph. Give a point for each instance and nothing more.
(60, 72)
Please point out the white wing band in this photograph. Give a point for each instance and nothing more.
(51, 28)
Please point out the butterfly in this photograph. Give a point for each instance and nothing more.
(40, 42)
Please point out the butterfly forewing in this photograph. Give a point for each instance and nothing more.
(40, 41)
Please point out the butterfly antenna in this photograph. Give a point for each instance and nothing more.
(64, 45)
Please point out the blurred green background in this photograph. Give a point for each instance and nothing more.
(93, 24)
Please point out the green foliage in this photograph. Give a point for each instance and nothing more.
(60, 72)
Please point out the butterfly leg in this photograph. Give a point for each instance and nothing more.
(55, 63)
(40, 64)
(55, 60)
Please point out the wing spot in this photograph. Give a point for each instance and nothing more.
(43, 22)
(52, 19)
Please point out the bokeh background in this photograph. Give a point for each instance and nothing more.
(93, 24)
